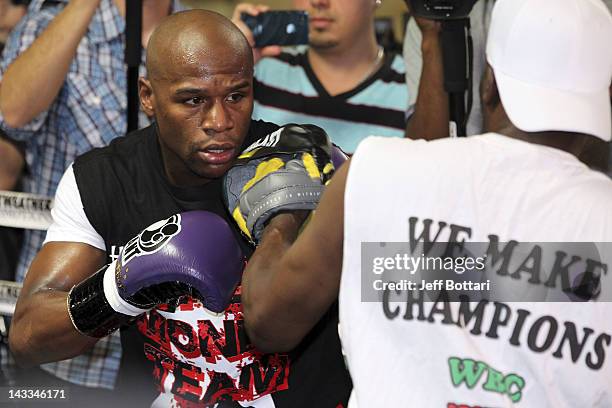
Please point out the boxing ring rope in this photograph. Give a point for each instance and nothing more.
(20, 210)
(23, 210)
(9, 291)
(17, 210)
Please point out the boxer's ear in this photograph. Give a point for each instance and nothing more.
(147, 98)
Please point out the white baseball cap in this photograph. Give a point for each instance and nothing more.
(552, 61)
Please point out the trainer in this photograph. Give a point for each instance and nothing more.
(545, 94)
(140, 235)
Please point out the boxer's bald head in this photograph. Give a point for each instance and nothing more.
(199, 38)
(199, 88)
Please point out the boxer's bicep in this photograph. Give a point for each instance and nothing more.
(41, 329)
(61, 265)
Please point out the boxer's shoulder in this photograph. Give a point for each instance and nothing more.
(125, 148)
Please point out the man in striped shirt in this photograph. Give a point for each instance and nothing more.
(343, 81)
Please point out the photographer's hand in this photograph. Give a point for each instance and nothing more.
(431, 112)
(253, 10)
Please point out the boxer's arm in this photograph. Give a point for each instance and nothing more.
(290, 283)
(41, 329)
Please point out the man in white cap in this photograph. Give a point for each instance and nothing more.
(545, 94)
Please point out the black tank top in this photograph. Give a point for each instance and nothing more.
(124, 190)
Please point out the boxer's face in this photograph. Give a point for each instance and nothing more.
(336, 22)
(203, 106)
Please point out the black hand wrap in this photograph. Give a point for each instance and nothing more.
(89, 310)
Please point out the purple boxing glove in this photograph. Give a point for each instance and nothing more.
(193, 253)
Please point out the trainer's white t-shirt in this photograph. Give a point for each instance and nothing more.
(517, 354)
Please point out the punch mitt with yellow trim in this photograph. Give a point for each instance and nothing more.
(283, 171)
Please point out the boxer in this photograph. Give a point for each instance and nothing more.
(150, 207)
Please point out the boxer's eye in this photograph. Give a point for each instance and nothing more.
(196, 100)
(235, 97)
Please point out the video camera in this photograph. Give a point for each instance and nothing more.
(441, 9)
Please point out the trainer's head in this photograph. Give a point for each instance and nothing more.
(550, 69)
(199, 88)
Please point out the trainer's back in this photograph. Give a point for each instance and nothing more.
(489, 189)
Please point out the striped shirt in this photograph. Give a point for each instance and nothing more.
(89, 111)
(288, 91)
